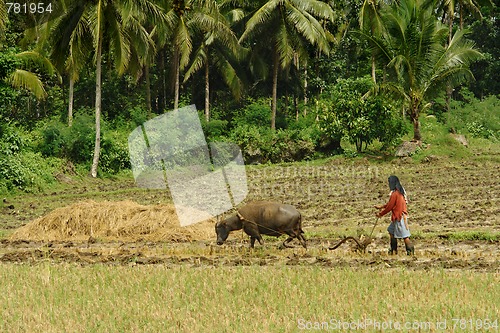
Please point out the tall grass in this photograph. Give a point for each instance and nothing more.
(50, 297)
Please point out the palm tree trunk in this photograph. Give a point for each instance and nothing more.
(70, 103)
(275, 90)
(296, 107)
(374, 77)
(162, 95)
(449, 90)
(207, 92)
(305, 85)
(148, 89)
(461, 17)
(97, 147)
(417, 137)
(177, 77)
(450, 28)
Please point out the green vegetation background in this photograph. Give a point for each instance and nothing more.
(329, 118)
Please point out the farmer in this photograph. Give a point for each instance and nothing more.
(399, 219)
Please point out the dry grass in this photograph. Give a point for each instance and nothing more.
(110, 221)
(104, 298)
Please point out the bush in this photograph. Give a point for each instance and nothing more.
(261, 145)
(81, 138)
(214, 129)
(20, 167)
(344, 112)
(11, 140)
(76, 143)
(27, 171)
(257, 113)
(480, 119)
(53, 139)
(114, 155)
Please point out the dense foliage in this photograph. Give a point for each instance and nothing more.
(285, 80)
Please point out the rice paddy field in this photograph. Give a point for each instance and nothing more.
(105, 256)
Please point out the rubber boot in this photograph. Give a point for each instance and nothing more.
(394, 246)
(410, 249)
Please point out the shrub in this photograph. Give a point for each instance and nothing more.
(261, 145)
(114, 155)
(257, 113)
(214, 129)
(53, 139)
(344, 112)
(480, 119)
(11, 140)
(28, 171)
(254, 142)
(76, 143)
(20, 167)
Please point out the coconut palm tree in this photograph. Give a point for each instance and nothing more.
(101, 21)
(23, 78)
(450, 8)
(71, 55)
(420, 66)
(3, 16)
(371, 22)
(179, 32)
(219, 47)
(288, 26)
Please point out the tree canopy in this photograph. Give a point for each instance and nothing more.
(121, 57)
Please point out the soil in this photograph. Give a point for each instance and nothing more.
(470, 255)
(336, 200)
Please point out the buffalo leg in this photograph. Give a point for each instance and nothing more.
(252, 241)
(253, 238)
(254, 234)
(302, 240)
(288, 240)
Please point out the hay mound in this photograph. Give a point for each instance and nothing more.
(113, 221)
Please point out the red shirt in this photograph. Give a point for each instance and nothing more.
(396, 204)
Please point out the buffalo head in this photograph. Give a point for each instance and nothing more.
(224, 227)
(222, 232)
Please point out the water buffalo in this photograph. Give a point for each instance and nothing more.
(263, 218)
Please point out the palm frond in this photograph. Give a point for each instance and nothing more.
(37, 59)
(308, 27)
(80, 45)
(183, 42)
(143, 9)
(230, 76)
(119, 40)
(262, 15)
(369, 17)
(199, 59)
(64, 31)
(217, 26)
(284, 46)
(235, 15)
(23, 79)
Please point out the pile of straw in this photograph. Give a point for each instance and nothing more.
(113, 221)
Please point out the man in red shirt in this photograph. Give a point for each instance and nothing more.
(399, 218)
